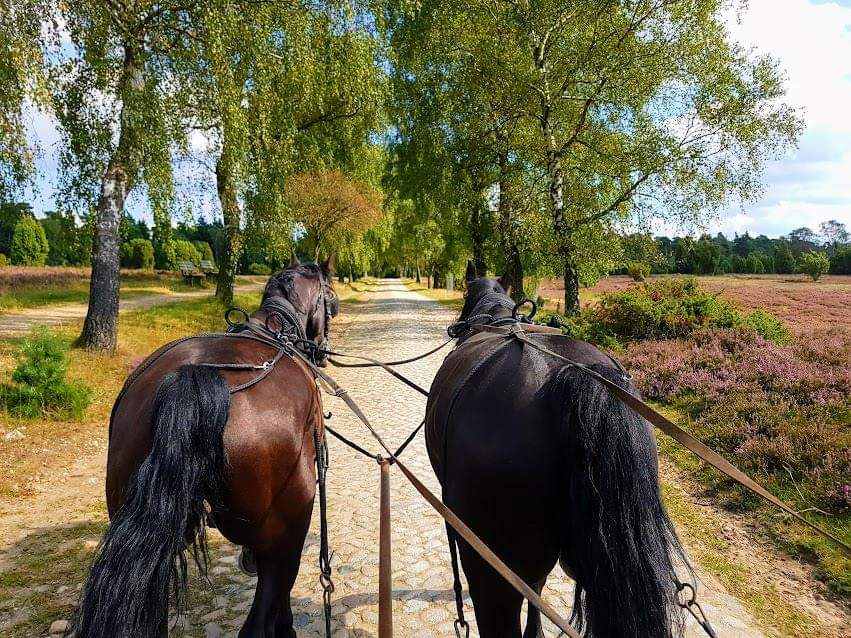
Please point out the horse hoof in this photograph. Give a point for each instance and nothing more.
(246, 562)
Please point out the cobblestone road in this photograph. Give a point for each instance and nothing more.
(390, 322)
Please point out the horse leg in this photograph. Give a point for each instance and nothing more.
(496, 603)
(533, 617)
(276, 575)
(284, 627)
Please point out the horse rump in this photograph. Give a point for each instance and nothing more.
(142, 559)
(618, 541)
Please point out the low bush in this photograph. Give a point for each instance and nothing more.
(39, 386)
(185, 251)
(638, 271)
(3, 260)
(29, 243)
(665, 309)
(814, 264)
(137, 253)
(259, 269)
(204, 250)
(780, 410)
(674, 308)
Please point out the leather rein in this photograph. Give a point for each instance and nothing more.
(295, 344)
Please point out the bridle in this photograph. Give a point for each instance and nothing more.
(283, 323)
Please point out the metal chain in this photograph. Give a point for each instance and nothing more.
(693, 607)
(321, 446)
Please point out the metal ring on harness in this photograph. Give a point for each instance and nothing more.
(234, 324)
(520, 304)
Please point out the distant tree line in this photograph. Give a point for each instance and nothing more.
(63, 239)
(712, 255)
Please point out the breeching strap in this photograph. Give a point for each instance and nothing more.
(683, 438)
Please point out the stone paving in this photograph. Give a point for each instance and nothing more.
(389, 322)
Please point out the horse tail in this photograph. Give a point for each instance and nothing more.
(142, 557)
(618, 540)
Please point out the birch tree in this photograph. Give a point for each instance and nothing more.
(639, 108)
(119, 104)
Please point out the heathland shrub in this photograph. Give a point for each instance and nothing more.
(665, 309)
(637, 270)
(672, 308)
(259, 269)
(29, 243)
(137, 253)
(780, 410)
(38, 383)
(814, 264)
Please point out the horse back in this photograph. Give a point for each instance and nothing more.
(267, 440)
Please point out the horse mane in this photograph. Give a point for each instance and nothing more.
(284, 282)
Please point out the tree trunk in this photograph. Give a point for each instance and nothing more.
(571, 281)
(100, 329)
(566, 247)
(477, 235)
(508, 231)
(418, 272)
(231, 235)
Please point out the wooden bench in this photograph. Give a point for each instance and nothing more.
(208, 267)
(190, 274)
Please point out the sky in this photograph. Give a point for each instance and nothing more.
(812, 41)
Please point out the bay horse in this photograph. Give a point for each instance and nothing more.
(219, 426)
(548, 467)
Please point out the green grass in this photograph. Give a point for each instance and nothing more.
(453, 299)
(78, 292)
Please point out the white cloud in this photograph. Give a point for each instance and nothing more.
(812, 42)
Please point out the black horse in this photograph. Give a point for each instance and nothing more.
(547, 466)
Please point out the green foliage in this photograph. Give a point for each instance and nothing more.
(638, 271)
(204, 250)
(10, 214)
(666, 309)
(814, 264)
(70, 243)
(840, 261)
(39, 386)
(185, 251)
(768, 326)
(784, 260)
(259, 269)
(754, 265)
(137, 253)
(29, 243)
(3, 260)
(21, 81)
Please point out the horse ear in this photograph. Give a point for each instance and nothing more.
(470, 275)
(328, 265)
(294, 261)
(505, 282)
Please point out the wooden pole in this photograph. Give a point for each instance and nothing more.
(385, 572)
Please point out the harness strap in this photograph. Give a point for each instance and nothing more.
(373, 363)
(681, 436)
(386, 366)
(447, 514)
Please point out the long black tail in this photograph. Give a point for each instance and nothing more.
(619, 542)
(142, 557)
